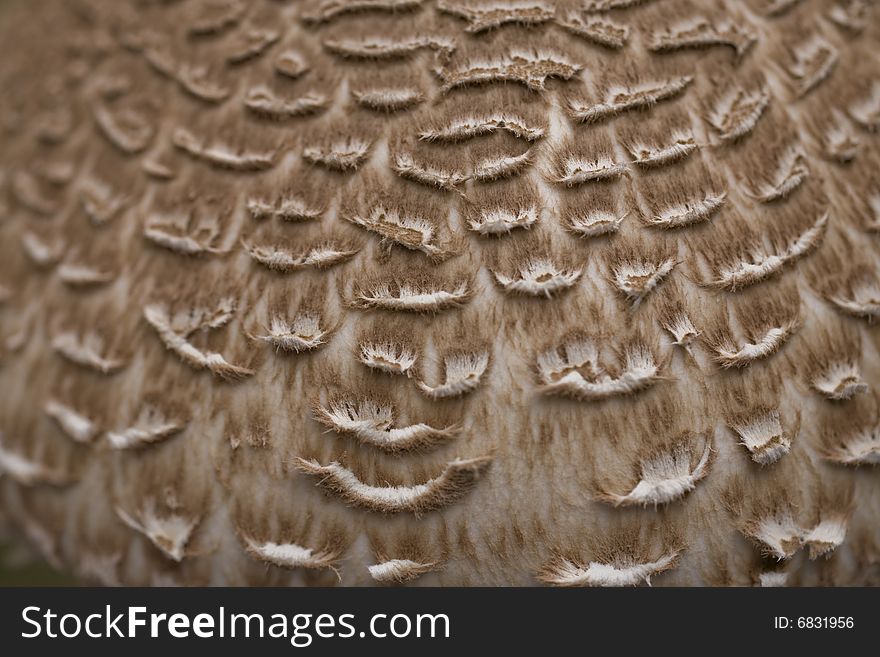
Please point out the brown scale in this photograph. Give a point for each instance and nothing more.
(537, 263)
(753, 326)
(402, 215)
(416, 555)
(684, 26)
(663, 142)
(827, 360)
(755, 416)
(847, 280)
(686, 198)
(594, 212)
(740, 253)
(162, 503)
(393, 90)
(499, 58)
(497, 210)
(263, 517)
(636, 266)
(804, 56)
(326, 11)
(585, 159)
(622, 545)
(293, 199)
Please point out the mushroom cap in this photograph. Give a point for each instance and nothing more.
(463, 292)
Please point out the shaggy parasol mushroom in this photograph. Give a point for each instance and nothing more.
(453, 292)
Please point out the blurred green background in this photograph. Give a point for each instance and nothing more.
(20, 568)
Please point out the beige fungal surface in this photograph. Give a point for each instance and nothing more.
(442, 292)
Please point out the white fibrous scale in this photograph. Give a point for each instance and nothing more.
(625, 572)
